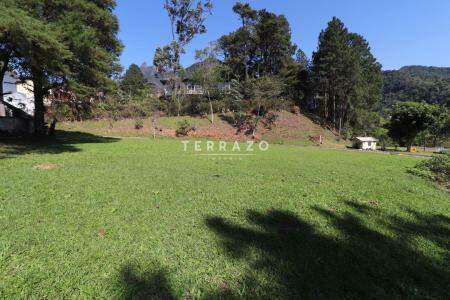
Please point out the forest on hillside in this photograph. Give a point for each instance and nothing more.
(416, 83)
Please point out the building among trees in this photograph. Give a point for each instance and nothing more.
(365, 143)
(16, 105)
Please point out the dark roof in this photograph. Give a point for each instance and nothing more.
(157, 79)
(152, 76)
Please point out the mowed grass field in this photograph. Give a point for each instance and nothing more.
(93, 217)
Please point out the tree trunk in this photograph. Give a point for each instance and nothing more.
(2, 107)
(177, 97)
(52, 128)
(246, 72)
(334, 112)
(211, 107)
(2, 76)
(341, 117)
(39, 109)
(3, 70)
(340, 125)
(255, 125)
(325, 108)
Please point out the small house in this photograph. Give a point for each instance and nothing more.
(365, 143)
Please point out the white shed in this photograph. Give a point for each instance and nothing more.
(365, 143)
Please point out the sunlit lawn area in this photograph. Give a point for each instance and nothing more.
(92, 217)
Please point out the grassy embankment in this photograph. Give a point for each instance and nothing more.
(288, 129)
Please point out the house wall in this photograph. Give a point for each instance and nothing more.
(365, 146)
(17, 94)
(26, 88)
(12, 85)
(9, 83)
(13, 125)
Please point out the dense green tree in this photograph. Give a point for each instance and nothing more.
(246, 13)
(368, 90)
(382, 134)
(296, 76)
(9, 16)
(241, 43)
(275, 47)
(76, 49)
(35, 50)
(239, 53)
(439, 129)
(20, 33)
(334, 71)
(260, 47)
(302, 59)
(167, 59)
(409, 119)
(133, 82)
(346, 76)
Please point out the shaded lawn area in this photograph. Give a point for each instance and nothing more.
(61, 142)
(139, 218)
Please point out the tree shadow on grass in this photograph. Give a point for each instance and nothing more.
(295, 260)
(62, 141)
(144, 285)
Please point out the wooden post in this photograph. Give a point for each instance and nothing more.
(154, 125)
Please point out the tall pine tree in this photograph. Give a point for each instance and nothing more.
(347, 78)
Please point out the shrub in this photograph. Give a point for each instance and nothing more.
(295, 110)
(184, 127)
(269, 120)
(139, 124)
(240, 120)
(437, 168)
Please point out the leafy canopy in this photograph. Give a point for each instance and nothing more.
(133, 82)
(411, 118)
(262, 46)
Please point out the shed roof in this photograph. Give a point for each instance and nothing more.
(366, 139)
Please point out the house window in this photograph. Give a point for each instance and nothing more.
(369, 144)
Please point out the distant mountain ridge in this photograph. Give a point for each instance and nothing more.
(416, 83)
(425, 71)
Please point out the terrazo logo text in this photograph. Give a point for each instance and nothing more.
(224, 149)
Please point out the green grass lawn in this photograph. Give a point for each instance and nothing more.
(92, 217)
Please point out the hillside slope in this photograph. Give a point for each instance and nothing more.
(288, 128)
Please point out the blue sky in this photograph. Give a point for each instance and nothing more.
(400, 32)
